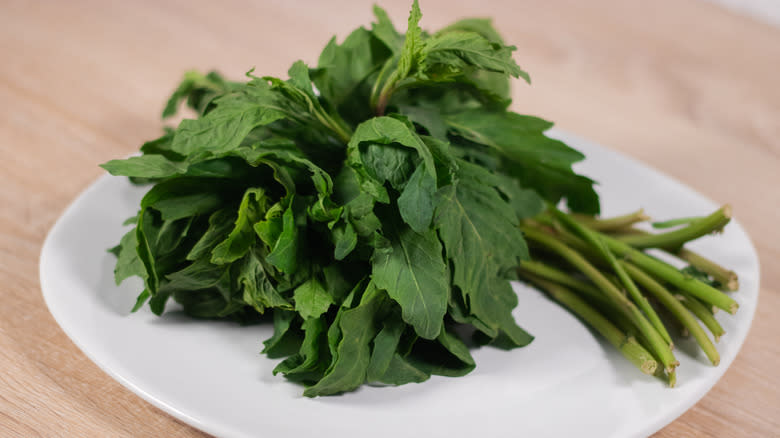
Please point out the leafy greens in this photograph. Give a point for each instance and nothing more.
(368, 206)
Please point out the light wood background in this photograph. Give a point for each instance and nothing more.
(684, 86)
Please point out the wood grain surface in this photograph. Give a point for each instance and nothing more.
(683, 86)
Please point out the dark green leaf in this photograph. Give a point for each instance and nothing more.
(284, 341)
(253, 207)
(307, 364)
(350, 364)
(258, 291)
(343, 72)
(452, 53)
(311, 299)
(389, 130)
(415, 275)
(413, 44)
(198, 89)
(387, 365)
(220, 225)
(286, 252)
(183, 197)
(384, 30)
(537, 161)
(199, 275)
(224, 128)
(145, 166)
(345, 240)
(416, 201)
(128, 264)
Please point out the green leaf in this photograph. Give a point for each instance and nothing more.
(253, 207)
(416, 201)
(284, 158)
(299, 78)
(480, 235)
(198, 89)
(143, 297)
(518, 137)
(427, 115)
(345, 241)
(188, 205)
(284, 341)
(494, 309)
(145, 166)
(384, 30)
(220, 225)
(258, 291)
(446, 356)
(269, 230)
(387, 365)
(183, 197)
(206, 303)
(555, 183)
(302, 106)
(453, 53)
(307, 364)
(146, 231)
(350, 363)
(286, 252)
(128, 264)
(343, 72)
(235, 116)
(360, 212)
(493, 82)
(340, 279)
(162, 146)
(537, 161)
(415, 275)
(526, 202)
(387, 131)
(199, 275)
(413, 44)
(388, 163)
(311, 299)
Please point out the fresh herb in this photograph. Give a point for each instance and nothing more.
(376, 207)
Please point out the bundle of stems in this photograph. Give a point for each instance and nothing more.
(599, 270)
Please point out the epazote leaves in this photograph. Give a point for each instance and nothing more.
(414, 274)
(367, 206)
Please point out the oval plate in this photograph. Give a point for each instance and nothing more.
(211, 375)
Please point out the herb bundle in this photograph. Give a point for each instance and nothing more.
(376, 207)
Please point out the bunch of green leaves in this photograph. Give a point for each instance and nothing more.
(367, 206)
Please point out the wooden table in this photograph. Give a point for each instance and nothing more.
(684, 86)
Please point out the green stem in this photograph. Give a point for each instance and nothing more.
(670, 274)
(553, 274)
(597, 243)
(627, 346)
(724, 276)
(660, 270)
(613, 223)
(675, 239)
(586, 290)
(387, 90)
(665, 272)
(675, 222)
(657, 343)
(337, 125)
(701, 312)
(379, 80)
(676, 308)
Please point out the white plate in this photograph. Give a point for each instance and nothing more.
(211, 375)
